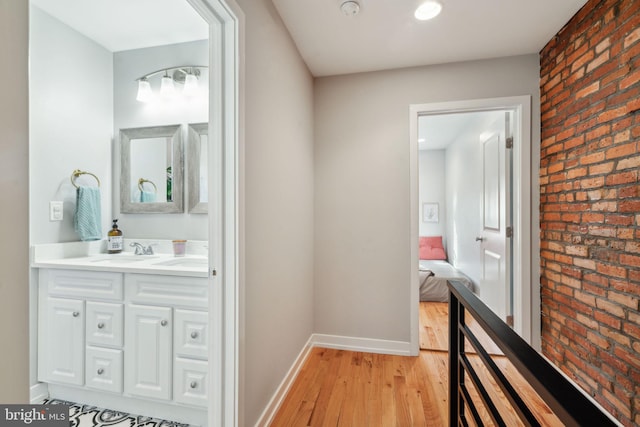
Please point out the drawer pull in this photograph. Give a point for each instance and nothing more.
(76, 314)
(193, 384)
(100, 325)
(194, 335)
(100, 371)
(164, 323)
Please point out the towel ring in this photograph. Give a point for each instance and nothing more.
(141, 181)
(76, 173)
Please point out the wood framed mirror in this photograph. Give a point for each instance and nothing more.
(197, 173)
(151, 170)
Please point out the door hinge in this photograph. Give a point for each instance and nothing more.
(509, 142)
(509, 231)
(214, 273)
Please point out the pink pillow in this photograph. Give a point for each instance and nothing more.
(431, 248)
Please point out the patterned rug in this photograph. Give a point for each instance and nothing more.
(81, 415)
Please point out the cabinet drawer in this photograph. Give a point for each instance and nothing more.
(105, 323)
(188, 292)
(82, 284)
(190, 381)
(104, 369)
(190, 333)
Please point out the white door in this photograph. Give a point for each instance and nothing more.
(64, 341)
(495, 237)
(148, 355)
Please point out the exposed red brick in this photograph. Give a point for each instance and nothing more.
(590, 203)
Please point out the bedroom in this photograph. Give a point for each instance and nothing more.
(460, 207)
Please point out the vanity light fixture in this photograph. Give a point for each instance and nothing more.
(190, 84)
(186, 75)
(428, 10)
(144, 90)
(167, 89)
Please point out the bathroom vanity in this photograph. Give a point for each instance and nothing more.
(126, 332)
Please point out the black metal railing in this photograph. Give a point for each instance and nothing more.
(568, 403)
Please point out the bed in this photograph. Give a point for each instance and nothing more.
(434, 271)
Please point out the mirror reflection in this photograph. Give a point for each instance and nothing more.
(198, 135)
(151, 175)
(151, 161)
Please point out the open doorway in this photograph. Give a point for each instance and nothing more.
(464, 191)
(473, 210)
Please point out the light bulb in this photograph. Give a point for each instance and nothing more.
(167, 88)
(144, 91)
(428, 10)
(190, 85)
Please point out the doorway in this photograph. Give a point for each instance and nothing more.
(522, 296)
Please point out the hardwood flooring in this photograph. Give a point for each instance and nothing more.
(354, 389)
(434, 327)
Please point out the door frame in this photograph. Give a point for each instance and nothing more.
(226, 49)
(526, 296)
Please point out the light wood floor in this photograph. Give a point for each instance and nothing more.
(344, 388)
(434, 327)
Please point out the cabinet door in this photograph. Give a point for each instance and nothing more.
(63, 341)
(148, 351)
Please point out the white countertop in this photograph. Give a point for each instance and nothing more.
(91, 256)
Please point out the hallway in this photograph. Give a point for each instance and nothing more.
(344, 388)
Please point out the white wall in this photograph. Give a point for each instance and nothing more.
(362, 207)
(129, 113)
(277, 314)
(70, 123)
(431, 188)
(14, 223)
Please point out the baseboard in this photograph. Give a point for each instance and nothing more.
(367, 345)
(38, 392)
(282, 390)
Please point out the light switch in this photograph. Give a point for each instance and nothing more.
(55, 211)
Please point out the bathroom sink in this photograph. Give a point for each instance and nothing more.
(122, 259)
(185, 262)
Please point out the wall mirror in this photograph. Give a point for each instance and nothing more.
(197, 173)
(151, 170)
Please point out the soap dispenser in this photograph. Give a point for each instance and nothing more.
(115, 241)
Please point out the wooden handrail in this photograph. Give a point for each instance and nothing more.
(568, 403)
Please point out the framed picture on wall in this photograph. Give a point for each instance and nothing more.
(430, 212)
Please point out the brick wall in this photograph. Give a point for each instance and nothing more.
(590, 203)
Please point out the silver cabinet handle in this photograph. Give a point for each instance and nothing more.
(76, 314)
(194, 335)
(193, 384)
(100, 325)
(164, 323)
(100, 371)
(479, 239)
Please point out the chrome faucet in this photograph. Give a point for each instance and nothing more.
(141, 250)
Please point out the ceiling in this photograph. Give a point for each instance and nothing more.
(438, 131)
(385, 35)
(138, 23)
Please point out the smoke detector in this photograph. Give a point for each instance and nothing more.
(350, 7)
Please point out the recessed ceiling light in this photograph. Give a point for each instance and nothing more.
(350, 7)
(428, 10)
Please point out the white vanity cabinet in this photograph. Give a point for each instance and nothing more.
(132, 335)
(166, 338)
(79, 309)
